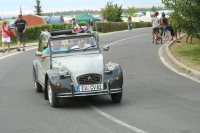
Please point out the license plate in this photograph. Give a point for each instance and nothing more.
(89, 87)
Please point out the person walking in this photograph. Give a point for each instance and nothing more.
(20, 26)
(91, 24)
(129, 23)
(5, 37)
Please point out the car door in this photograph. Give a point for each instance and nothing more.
(43, 64)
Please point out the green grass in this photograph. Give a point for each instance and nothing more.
(189, 54)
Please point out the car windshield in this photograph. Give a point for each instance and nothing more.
(73, 45)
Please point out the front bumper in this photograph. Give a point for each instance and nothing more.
(107, 91)
(93, 93)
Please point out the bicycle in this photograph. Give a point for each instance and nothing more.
(157, 39)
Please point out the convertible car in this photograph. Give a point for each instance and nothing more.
(76, 68)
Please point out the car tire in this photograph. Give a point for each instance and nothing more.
(46, 93)
(116, 97)
(53, 99)
(38, 87)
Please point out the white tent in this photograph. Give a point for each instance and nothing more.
(11, 23)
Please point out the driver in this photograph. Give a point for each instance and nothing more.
(56, 48)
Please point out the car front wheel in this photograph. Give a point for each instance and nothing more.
(116, 97)
(53, 99)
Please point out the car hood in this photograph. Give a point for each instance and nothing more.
(81, 64)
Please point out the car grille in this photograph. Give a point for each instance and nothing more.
(89, 79)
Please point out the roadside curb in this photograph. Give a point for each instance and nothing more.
(178, 63)
(15, 47)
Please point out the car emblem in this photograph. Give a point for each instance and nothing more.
(89, 78)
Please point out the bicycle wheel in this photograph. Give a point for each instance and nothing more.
(159, 40)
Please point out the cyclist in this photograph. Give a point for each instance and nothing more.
(155, 27)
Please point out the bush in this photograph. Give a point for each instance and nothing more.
(118, 26)
(33, 32)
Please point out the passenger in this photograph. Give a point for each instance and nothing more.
(82, 43)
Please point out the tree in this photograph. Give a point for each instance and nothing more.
(112, 12)
(153, 9)
(185, 16)
(131, 11)
(38, 8)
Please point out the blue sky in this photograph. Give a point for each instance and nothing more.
(12, 6)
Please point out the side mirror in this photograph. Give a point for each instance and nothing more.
(37, 53)
(106, 48)
(44, 43)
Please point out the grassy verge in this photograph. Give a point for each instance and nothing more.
(188, 54)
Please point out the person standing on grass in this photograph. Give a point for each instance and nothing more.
(20, 26)
(172, 30)
(177, 35)
(129, 23)
(5, 36)
(187, 36)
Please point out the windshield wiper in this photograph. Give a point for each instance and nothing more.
(74, 49)
(89, 47)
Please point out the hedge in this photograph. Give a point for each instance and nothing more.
(33, 32)
(118, 26)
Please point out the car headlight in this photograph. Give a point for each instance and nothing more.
(111, 66)
(63, 71)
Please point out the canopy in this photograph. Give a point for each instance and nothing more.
(85, 17)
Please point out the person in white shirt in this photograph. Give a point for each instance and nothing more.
(155, 26)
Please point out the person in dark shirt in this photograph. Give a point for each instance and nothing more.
(20, 26)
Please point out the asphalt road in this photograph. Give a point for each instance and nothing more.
(155, 98)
